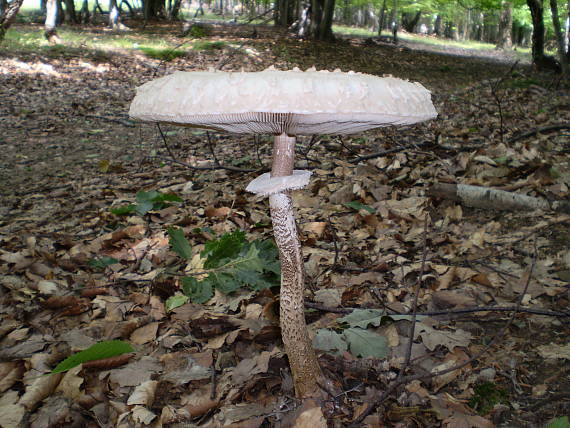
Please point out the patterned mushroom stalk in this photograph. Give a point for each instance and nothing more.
(285, 104)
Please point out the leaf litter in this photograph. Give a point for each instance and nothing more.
(91, 250)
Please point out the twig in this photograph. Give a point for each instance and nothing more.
(224, 61)
(406, 379)
(494, 92)
(205, 167)
(388, 151)
(111, 119)
(549, 128)
(164, 141)
(211, 147)
(449, 312)
(260, 15)
(414, 308)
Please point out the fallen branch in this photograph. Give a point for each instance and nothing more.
(449, 312)
(484, 197)
(123, 122)
(204, 167)
(549, 128)
(388, 151)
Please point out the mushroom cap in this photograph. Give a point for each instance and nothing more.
(277, 102)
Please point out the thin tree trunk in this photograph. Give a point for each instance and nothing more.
(505, 41)
(70, 14)
(84, 12)
(383, 18)
(50, 32)
(559, 36)
(437, 26)
(283, 14)
(115, 17)
(537, 15)
(325, 29)
(394, 21)
(567, 38)
(7, 16)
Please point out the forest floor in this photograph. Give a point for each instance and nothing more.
(78, 267)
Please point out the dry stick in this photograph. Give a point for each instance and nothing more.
(206, 167)
(549, 128)
(216, 165)
(224, 61)
(164, 141)
(388, 151)
(123, 122)
(406, 379)
(449, 312)
(414, 308)
(494, 90)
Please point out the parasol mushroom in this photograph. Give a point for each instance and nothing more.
(285, 104)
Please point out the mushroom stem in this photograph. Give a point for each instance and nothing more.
(302, 358)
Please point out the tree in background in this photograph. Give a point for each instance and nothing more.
(505, 40)
(52, 13)
(8, 12)
(561, 48)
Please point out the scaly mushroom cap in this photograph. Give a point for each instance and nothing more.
(277, 102)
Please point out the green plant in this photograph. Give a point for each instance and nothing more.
(230, 263)
(146, 201)
(99, 351)
(562, 422)
(100, 263)
(163, 54)
(203, 45)
(487, 394)
(197, 32)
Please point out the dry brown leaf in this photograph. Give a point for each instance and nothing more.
(39, 389)
(10, 373)
(108, 363)
(316, 227)
(311, 418)
(70, 385)
(217, 212)
(143, 394)
(199, 401)
(145, 334)
(12, 415)
(142, 415)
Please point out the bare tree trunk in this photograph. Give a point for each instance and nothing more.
(325, 30)
(51, 22)
(505, 40)
(437, 26)
(538, 57)
(7, 16)
(321, 19)
(115, 17)
(466, 25)
(283, 13)
(70, 14)
(567, 38)
(394, 21)
(559, 36)
(383, 18)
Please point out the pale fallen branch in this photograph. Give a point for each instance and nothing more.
(484, 197)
